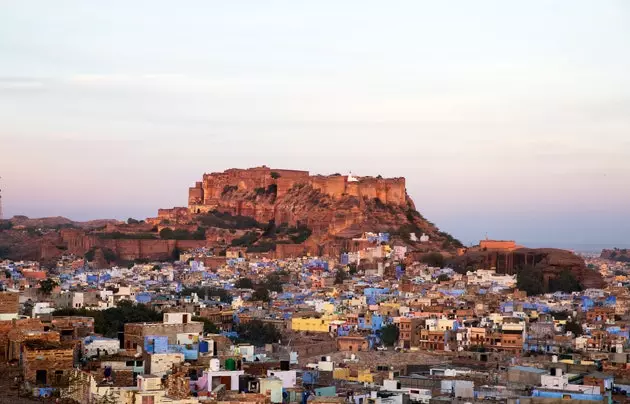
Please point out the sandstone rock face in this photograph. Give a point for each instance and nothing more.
(326, 204)
(210, 193)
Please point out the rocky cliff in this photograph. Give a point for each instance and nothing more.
(551, 261)
(332, 207)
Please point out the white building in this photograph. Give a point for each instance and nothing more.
(97, 346)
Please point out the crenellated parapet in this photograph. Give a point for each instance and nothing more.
(209, 194)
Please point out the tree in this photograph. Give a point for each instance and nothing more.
(443, 278)
(5, 225)
(89, 255)
(208, 326)
(273, 283)
(244, 283)
(530, 280)
(389, 334)
(112, 321)
(565, 282)
(574, 327)
(132, 221)
(258, 333)
(27, 308)
(275, 175)
(434, 259)
(46, 286)
(340, 276)
(261, 294)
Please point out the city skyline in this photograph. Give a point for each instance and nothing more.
(506, 120)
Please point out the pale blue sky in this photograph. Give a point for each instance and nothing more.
(507, 118)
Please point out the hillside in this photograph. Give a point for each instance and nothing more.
(262, 210)
(333, 208)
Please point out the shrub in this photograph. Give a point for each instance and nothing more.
(434, 259)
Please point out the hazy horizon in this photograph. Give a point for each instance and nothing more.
(507, 119)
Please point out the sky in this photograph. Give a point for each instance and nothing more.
(508, 119)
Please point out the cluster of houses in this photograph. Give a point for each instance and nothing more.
(367, 327)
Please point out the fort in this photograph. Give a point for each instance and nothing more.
(208, 194)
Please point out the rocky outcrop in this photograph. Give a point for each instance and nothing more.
(616, 254)
(328, 205)
(551, 261)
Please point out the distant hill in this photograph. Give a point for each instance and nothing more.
(58, 222)
(616, 254)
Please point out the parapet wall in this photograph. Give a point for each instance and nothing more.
(127, 249)
(206, 195)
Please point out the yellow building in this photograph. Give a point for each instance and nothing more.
(361, 375)
(312, 324)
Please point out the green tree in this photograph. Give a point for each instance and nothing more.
(434, 259)
(89, 255)
(5, 225)
(244, 283)
(574, 327)
(530, 280)
(275, 175)
(340, 276)
(261, 294)
(46, 286)
(565, 282)
(443, 278)
(132, 221)
(208, 326)
(389, 334)
(273, 283)
(257, 333)
(112, 321)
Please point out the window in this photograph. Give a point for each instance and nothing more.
(148, 400)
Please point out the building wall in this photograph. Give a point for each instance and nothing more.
(135, 332)
(159, 364)
(7, 326)
(310, 324)
(9, 303)
(50, 360)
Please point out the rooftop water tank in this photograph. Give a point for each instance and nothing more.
(230, 364)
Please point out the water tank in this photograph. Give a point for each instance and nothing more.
(353, 357)
(215, 365)
(230, 364)
(329, 359)
(554, 359)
